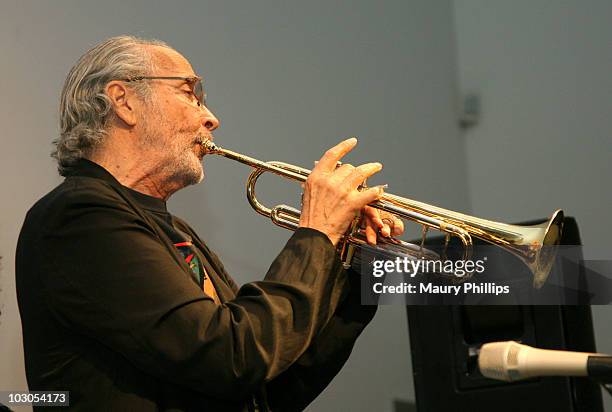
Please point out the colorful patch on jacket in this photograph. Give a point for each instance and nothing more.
(191, 258)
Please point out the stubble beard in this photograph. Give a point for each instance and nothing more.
(176, 162)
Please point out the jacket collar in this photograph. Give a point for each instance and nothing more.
(87, 168)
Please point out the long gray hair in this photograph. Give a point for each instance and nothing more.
(85, 110)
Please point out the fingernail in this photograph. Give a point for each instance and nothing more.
(351, 140)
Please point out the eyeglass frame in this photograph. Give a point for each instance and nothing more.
(192, 80)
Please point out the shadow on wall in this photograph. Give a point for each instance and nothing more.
(401, 405)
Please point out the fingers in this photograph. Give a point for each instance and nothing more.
(385, 223)
(332, 195)
(328, 162)
(354, 176)
(373, 215)
(398, 227)
(343, 172)
(386, 229)
(369, 195)
(373, 224)
(361, 173)
(393, 226)
(370, 234)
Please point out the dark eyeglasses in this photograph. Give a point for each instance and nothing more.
(195, 83)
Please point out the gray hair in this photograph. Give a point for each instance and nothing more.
(85, 110)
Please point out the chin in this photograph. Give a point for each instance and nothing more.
(201, 176)
(193, 176)
(189, 171)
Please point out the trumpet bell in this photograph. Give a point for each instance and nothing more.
(546, 252)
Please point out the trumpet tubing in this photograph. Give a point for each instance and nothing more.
(535, 245)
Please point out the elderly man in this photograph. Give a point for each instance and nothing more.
(123, 305)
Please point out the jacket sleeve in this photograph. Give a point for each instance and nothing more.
(106, 274)
(297, 387)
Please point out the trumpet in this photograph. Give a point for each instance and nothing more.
(534, 245)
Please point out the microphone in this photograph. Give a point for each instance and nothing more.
(511, 361)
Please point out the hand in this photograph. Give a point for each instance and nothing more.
(385, 223)
(331, 200)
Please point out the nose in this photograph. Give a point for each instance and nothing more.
(209, 120)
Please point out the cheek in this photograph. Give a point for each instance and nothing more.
(186, 126)
(187, 120)
(180, 123)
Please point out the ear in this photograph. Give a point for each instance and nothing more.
(123, 100)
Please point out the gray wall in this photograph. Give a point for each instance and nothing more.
(287, 81)
(544, 72)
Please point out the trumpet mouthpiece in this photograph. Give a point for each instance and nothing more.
(209, 146)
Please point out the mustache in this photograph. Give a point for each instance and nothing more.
(201, 138)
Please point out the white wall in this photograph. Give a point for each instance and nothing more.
(287, 81)
(544, 72)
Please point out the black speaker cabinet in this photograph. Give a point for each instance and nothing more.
(444, 342)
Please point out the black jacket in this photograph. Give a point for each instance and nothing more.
(111, 313)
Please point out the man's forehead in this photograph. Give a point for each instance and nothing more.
(169, 62)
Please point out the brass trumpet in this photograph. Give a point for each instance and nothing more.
(535, 245)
